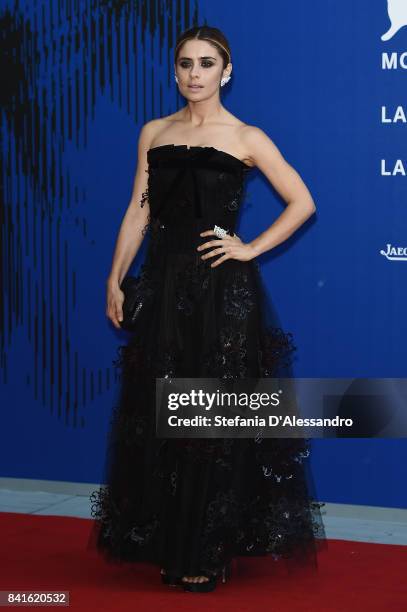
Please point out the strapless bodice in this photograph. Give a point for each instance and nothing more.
(194, 183)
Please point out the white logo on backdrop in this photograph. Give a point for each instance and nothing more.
(397, 10)
(395, 253)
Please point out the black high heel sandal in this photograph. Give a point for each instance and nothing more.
(210, 584)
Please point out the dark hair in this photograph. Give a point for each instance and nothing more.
(212, 35)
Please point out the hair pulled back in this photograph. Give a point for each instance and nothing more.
(212, 35)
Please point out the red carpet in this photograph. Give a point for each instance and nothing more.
(50, 552)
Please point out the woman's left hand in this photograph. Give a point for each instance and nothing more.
(231, 246)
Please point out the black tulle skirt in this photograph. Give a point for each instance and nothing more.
(191, 505)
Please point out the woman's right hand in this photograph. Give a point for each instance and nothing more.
(114, 303)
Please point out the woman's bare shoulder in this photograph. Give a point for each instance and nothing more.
(256, 142)
(251, 134)
(151, 129)
(247, 133)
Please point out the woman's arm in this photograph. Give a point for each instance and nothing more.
(287, 182)
(131, 233)
(261, 150)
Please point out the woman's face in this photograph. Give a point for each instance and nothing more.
(199, 69)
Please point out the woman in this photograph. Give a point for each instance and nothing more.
(193, 505)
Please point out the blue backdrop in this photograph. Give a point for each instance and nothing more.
(82, 78)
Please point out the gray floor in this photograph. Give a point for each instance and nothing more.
(341, 521)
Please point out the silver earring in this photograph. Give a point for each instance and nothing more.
(225, 80)
(176, 78)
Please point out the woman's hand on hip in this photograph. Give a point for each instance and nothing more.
(230, 247)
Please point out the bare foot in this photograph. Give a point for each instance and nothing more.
(195, 579)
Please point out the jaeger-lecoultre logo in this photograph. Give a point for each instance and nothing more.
(395, 253)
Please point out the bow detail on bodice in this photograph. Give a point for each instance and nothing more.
(199, 157)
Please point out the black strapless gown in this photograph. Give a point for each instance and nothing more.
(190, 506)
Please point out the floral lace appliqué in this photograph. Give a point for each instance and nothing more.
(239, 298)
(227, 359)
